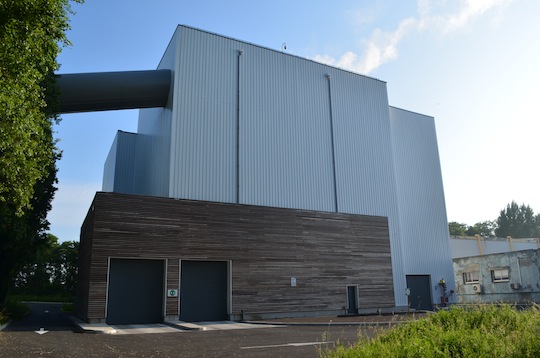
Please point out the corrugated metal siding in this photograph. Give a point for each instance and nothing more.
(423, 221)
(365, 178)
(385, 164)
(124, 172)
(285, 139)
(120, 163)
(285, 146)
(204, 125)
(154, 143)
(465, 247)
(109, 167)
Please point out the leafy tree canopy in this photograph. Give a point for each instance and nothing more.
(518, 221)
(484, 229)
(32, 34)
(457, 229)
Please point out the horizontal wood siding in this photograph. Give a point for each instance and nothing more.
(324, 251)
(85, 254)
(173, 278)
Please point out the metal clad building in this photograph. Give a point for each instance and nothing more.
(253, 126)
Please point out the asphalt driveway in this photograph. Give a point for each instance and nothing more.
(26, 338)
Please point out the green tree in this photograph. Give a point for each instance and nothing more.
(484, 229)
(457, 229)
(32, 33)
(51, 270)
(518, 221)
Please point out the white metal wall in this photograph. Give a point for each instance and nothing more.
(252, 125)
(203, 146)
(154, 149)
(422, 209)
(284, 107)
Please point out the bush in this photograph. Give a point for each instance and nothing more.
(481, 331)
(12, 309)
(3, 317)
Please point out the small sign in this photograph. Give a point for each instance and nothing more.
(172, 293)
(293, 281)
(408, 291)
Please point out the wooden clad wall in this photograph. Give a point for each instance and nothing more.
(267, 246)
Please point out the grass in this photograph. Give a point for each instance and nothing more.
(480, 331)
(68, 307)
(14, 307)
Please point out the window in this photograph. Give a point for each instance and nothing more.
(471, 277)
(500, 275)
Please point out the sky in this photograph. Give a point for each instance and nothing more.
(471, 64)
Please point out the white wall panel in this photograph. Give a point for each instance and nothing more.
(285, 147)
(365, 178)
(423, 221)
(154, 143)
(204, 124)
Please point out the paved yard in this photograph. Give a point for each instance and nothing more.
(27, 338)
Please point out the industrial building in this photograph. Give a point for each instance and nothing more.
(509, 277)
(267, 185)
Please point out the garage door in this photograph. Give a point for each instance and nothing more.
(203, 291)
(135, 293)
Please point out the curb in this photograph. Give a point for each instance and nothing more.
(185, 326)
(80, 325)
(328, 324)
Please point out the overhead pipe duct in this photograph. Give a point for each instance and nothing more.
(88, 92)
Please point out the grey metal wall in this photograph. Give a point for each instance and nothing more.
(466, 247)
(154, 149)
(109, 168)
(422, 209)
(119, 170)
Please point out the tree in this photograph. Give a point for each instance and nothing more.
(484, 229)
(457, 229)
(32, 33)
(52, 269)
(518, 221)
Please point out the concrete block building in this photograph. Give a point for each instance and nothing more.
(268, 185)
(510, 277)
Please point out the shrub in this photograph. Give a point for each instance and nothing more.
(480, 331)
(3, 317)
(14, 309)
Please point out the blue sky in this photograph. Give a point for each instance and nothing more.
(473, 65)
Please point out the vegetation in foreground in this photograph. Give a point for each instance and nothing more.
(13, 309)
(482, 331)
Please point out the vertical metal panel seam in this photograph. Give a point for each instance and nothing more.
(332, 142)
(238, 127)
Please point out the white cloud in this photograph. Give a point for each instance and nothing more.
(443, 17)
